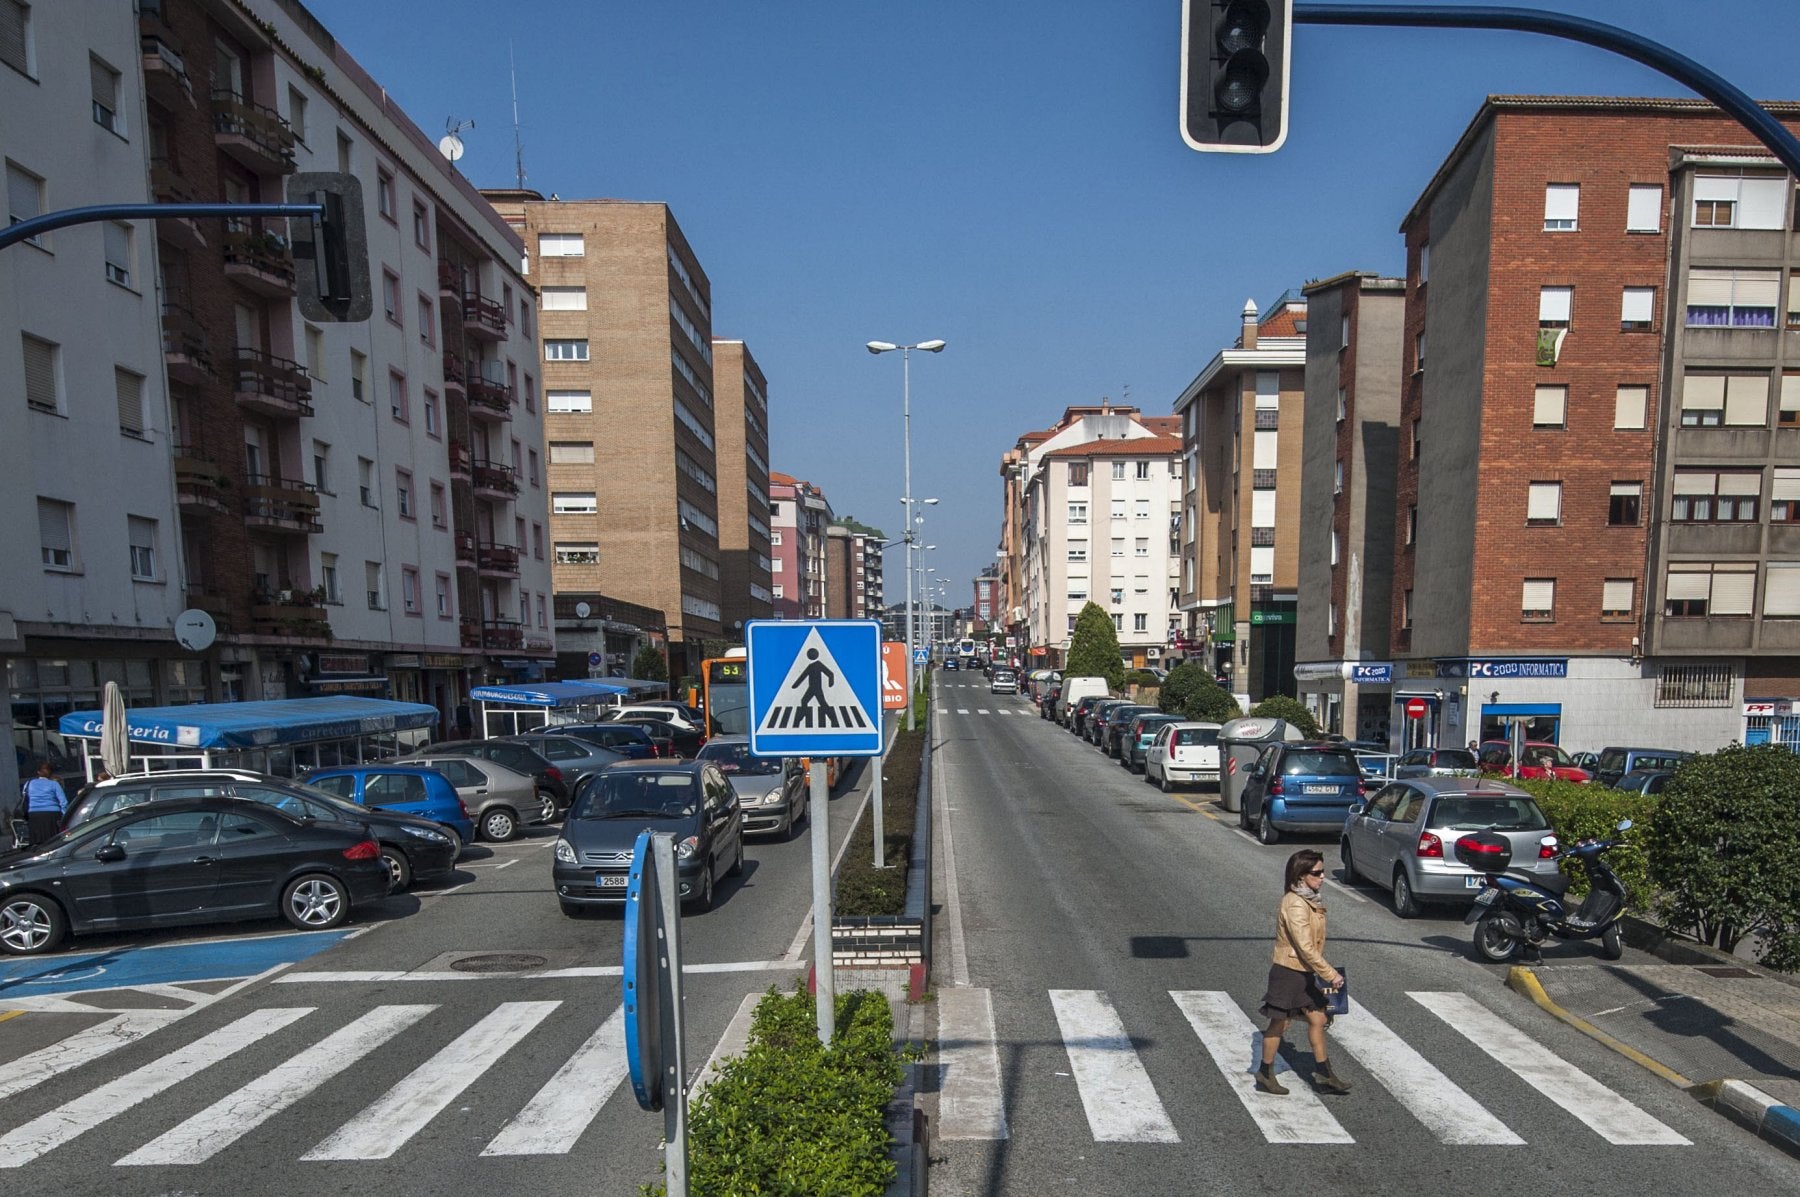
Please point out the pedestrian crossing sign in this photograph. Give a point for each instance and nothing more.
(815, 687)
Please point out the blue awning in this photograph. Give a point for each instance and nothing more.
(258, 724)
(548, 694)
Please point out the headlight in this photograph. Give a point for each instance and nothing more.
(426, 833)
(686, 848)
(565, 851)
(773, 795)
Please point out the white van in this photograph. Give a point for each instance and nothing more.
(1074, 689)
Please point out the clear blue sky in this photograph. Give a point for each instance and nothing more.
(1003, 174)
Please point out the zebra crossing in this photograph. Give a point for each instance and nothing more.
(1119, 1097)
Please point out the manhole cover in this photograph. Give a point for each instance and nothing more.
(1725, 970)
(498, 962)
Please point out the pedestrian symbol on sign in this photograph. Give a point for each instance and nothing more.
(815, 696)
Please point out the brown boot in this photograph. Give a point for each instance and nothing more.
(1328, 1081)
(1266, 1082)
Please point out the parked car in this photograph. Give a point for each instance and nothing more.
(1074, 689)
(689, 799)
(1183, 753)
(1003, 681)
(414, 846)
(503, 800)
(679, 714)
(577, 758)
(1615, 763)
(1089, 716)
(1588, 761)
(684, 739)
(1074, 711)
(1645, 781)
(1138, 736)
(182, 862)
(520, 758)
(1437, 762)
(632, 741)
(1301, 785)
(771, 791)
(950, 664)
(1118, 723)
(1541, 761)
(1050, 700)
(1405, 837)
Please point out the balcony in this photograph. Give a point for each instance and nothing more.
(453, 373)
(209, 599)
(449, 279)
(199, 482)
(495, 482)
(165, 71)
(539, 644)
(460, 461)
(169, 185)
(261, 262)
(465, 550)
(483, 319)
(1267, 418)
(1262, 538)
(489, 401)
(503, 634)
(1262, 479)
(273, 386)
(296, 614)
(471, 633)
(281, 505)
(258, 138)
(497, 560)
(186, 354)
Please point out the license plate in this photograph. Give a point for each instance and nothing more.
(612, 880)
(1487, 896)
(1321, 789)
(1474, 881)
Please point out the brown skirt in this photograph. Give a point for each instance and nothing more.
(1291, 993)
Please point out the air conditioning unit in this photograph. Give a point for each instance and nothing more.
(1154, 654)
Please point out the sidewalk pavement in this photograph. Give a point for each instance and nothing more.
(1725, 1030)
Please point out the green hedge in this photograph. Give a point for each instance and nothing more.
(790, 1117)
(1580, 811)
(863, 889)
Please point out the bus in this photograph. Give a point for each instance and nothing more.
(965, 649)
(725, 697)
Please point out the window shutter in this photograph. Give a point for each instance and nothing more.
(1643, 210)
(105, 88)
(1561, 202)
(12, 36)
(1702, 391)
(131, 399)
(565, 299)
(1539, 595)
(40, 373)
(118, 246)
(1740, 484)
(1790, 391)
(1762, 203)
(1793, 304)
(1688, 584)
(1631, 489)
(1555, 303)
(53, 525)
(1715, 187)
(1548, 405)
(1544, 501)
(1262, 508)
(1747, 399)
(24, 196)
(1733, 590)
(1695, 483)
(1629, 406)
(1709, 288)
(1262, 562)
(1616, 593)
(1264, 450)
(1638, 305)
(1785, 486)
(1781, 591)
(1756, 288)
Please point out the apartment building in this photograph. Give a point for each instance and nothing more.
(1241, 428)
(741, 423)
(1349, 454)
(627, 344)
(853, 573)
(800, 514)
(1595, 476)
(989, 606)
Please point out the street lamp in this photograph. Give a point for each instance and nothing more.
(879, 347)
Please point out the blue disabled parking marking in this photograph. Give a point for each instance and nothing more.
(166, 964)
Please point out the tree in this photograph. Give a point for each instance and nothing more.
(649, 664)
(1290, 710)
(856, 525)
(1178, 685)
(1208, 702)
(1094, 648)
(1724, 849)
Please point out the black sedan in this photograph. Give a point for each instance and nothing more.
(685, 741)
(199, 860)
(690, 800)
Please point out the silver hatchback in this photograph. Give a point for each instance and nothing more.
(1404, 837)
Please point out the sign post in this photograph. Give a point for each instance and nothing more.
(655, 1027)
(1415, 708)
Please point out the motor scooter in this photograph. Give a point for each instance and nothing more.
(1514, 914)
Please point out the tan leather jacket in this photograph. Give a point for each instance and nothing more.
(1300, 938)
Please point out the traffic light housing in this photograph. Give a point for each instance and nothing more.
(331, 250)
(1234, 78)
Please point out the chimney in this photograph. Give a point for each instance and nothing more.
(1247, 338)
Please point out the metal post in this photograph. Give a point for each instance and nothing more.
(675, 1135)
(818, 827)
(878, 763)
(906, 450)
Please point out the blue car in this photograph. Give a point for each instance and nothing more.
(408, 789)
(1300, 786)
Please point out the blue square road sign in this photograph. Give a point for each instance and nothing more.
(815, 687)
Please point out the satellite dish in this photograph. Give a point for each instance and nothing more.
(582, 610)
(195, 630)
(451, 147)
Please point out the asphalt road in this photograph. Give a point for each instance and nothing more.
(1117, 940)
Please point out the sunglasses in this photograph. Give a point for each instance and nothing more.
(1316, 873)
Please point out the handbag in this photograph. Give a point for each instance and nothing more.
(1337, 1001)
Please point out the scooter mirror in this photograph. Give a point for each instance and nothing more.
(1624, 824)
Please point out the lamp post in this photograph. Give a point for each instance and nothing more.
(879, 347)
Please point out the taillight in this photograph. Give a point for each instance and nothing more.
(1278, 786)
(1547, 851)
(463, 807)
(1429, 845)
(553, 773)
(367, 850)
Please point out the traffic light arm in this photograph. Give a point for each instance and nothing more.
(26, 229)
(1679, 67)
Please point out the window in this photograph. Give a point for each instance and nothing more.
(1701, 589)
(432, 427)
(365, 478)
(1337, 476)
(1555, 305)
(1630, 406)
(1561, 201)
(1793, 292)
(1699, 685)
(346, 154)
(1702, 496)
(296, 112)
(140, 537)
(1142, 509)
(543, 620)
(56, 534)
(560, 245)
(328, 577)
(359, 375)
(1118, 622)
(384, 193)
(315, 353)
(1738, 202)
(566, 351)
(409, 590)
(530, 385)
(1709, 400)
(403, 492)
(1118, 546)
(1078, 550)
(569, 402)
(24, 190)
(1118, 509)
(1637, 309)
(1623, 506)
(1330, 620)
(321, 467)
(1781, 590)
(1419, 350)
(1118, 471)
(1078, 513)
(116, 240)
(1550, 407)
(397, 400)
(1341, 403)
(421, 226)
(1141, 547)
(106, 97)
(1412, 524)
(1415, 440)
(571, 452)
(1344, 333)
(129, 388)
(1543, 503)
(372, 582)
(574, 503)
(1732, 298)
(442, 585)
(564, 299)
(531, 466)
(775, 537)
(41, 361)
(427, 322)
(1537, 600)
(1616, 597)
(15, 36)
(573, 552)
(1425, 261)
(537, 541)
(1406, 609)
(390, 295)
(1643, 208)
(439, 509)
(1140, 623)
(1784, 496)
(1790, 397)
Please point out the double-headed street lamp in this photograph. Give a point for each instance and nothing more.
(906, 440)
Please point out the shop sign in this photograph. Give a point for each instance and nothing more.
(1759, 710)
(1373, 675)
(1505, 667)
(1420, 669)
(1260, 616)
(444, 661)
(403, 660)
(357, 663)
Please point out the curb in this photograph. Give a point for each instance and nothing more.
(1523, 980)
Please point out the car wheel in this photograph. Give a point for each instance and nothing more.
(546, 806)
(1405, 904)
(1491, 943)
(1243, 814)
(737, 862)
(499, 825)
(30, 925)
(456, 843)
(398, 867)
(704, 899)
(1163, 782)
(1346, 862)
(1612, 944)
(1265, 830)
(315, 902)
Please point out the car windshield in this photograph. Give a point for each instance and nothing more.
(1474, 812)
(632, 795)
(1202, 737)
(736, 759)
(1316, 764)
(1455, 758)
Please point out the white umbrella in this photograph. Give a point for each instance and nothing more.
(115, 748)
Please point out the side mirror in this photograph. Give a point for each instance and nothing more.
(1356, 808)
(110, 854)
(1624, 825)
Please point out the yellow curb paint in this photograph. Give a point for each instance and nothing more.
(1523, 980)
(11, 1014)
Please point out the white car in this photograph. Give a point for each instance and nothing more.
(672, 713)
(1004, 681)
(1183, 754)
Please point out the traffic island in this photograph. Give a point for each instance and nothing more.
(881, 933)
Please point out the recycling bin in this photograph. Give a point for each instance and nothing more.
(1240, 742)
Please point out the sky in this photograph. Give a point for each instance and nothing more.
(1006, 175)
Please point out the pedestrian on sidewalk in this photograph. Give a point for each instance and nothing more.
(45, 803)
(1300, 975)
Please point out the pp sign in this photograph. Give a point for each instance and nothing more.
(893, 675)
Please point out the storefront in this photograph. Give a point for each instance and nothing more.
(1348, 698)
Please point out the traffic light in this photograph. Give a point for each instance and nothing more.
(1234, 80)
(331, 251)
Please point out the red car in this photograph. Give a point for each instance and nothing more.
(1541, 760)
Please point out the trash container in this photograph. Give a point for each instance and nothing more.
(1240, 742)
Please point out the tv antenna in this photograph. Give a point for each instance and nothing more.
(518, 145)
(450, 145)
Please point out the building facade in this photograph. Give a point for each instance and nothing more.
(800, 514)
(853, 574)
(741, 419)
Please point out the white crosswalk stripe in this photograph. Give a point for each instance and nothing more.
(1121, 1103)
(16, 1076)
(1447, 1111)
(552, 1121)
(1228, 1034)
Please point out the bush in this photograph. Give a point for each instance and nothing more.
(792, 1117)
(1209, 703)
(1141, 677)
(1724, 847)
(1094, 648)
(863, 889)
(1289, 710)
(1178, 685)
(1579, 812)
(649, 665)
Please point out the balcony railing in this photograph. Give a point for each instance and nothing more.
(257, 137)
(502, 633)
(260, 261)
(1262, 538)
(460, 460)
(449, 277)
(274, 386)
(453, 371)
(287, 605)
(489, 400)
(494, 479)
(186, 353)
(274, 504)
(466, 548)
(199, 483)
(497, 559)
(484, 318)
(1268, 417)
(165, 71)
